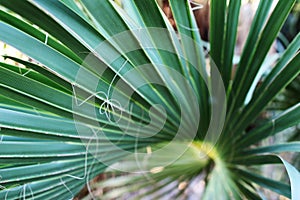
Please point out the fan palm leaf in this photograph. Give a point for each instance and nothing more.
(113, 89)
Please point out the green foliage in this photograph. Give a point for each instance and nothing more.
(88, 104)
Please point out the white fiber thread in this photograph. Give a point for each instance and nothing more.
(188, 28)
(27, 72)
(107, 103)
(61, 180)
(197, 5)
(46, 39)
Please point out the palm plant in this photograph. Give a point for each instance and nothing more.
(116, 90)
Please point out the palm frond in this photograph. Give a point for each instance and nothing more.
(113, 88)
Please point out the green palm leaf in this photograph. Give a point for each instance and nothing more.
(116, 90)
